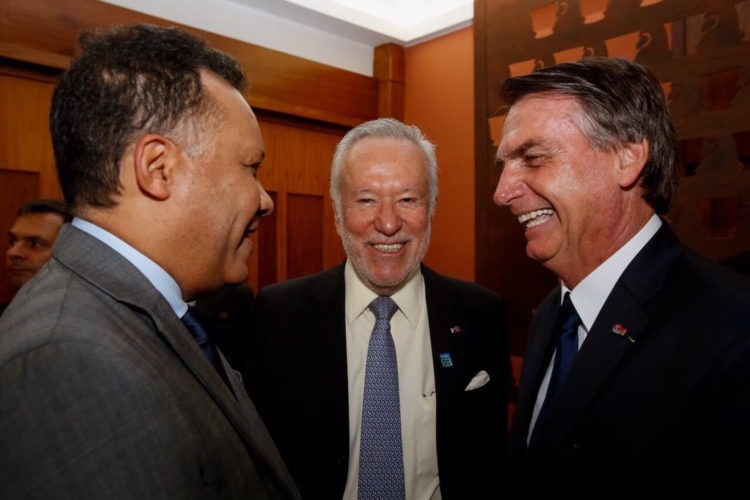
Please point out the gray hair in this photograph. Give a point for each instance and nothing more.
(384, 128)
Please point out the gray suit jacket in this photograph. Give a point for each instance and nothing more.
(104, 393)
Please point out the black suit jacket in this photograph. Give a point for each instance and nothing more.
(298, 380)
(666, 405)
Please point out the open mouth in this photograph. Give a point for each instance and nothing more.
(535, 217)
(390, 248)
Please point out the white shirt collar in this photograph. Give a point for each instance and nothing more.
(591, 293)
(158, 277)
(358, 296)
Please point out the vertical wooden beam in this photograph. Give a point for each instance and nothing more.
(390, 72)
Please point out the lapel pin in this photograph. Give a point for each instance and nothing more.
(456, 329)
(621, 331)
(445, 360)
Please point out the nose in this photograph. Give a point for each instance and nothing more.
(387, 220)
(15, 251)
(509, 187)
(266, 203)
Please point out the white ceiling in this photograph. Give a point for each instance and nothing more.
(340, 33)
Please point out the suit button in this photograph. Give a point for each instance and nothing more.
(342, 461)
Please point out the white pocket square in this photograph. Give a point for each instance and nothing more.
(478, 381)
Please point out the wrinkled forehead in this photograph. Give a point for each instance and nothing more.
(538, 118)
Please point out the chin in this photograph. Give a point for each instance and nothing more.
(237, 277)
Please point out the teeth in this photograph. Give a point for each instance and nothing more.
(531, 217)
(389, 248)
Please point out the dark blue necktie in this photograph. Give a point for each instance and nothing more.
(381, 460)
(567, 348)
(202, 337)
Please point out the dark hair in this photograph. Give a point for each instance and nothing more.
(622, 102)
(46, 207)
(123, 82)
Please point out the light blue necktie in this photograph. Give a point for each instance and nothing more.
(381, 459)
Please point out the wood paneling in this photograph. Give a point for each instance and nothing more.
(25, 142)
(45, 32)
(390, 71)
(305, 235)
(298, 162)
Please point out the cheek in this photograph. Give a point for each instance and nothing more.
(357, 223)
(417, 222)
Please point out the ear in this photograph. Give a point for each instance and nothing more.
(155, 157)
(632, 159)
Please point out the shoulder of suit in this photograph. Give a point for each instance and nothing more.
(303, 283)
(461, 285)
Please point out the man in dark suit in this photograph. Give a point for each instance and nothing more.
(104, 392)
(658, 395)
(310, 360)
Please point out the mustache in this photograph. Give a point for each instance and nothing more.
(398, 238)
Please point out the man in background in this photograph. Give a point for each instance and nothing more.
(104, 391)
(31, 237)
(448, 362)
(636, 374)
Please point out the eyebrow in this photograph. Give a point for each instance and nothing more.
(517, 152)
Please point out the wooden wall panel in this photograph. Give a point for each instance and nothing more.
(25, 142)
(298, 162)
(17, 188)
(390, 71)
(305, 235)
(44, 32)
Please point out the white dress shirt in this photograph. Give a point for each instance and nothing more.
(416, 380)
(591, 293)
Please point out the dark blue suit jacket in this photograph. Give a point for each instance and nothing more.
(298, 380)
(666, 404)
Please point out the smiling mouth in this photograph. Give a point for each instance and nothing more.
(393, 247)
(536, 217)
(251, 228)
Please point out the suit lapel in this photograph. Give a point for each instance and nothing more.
(448, 349)
(324, 314)
(599, 356)
(109, 271)
(620, 325)
(540, 345)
